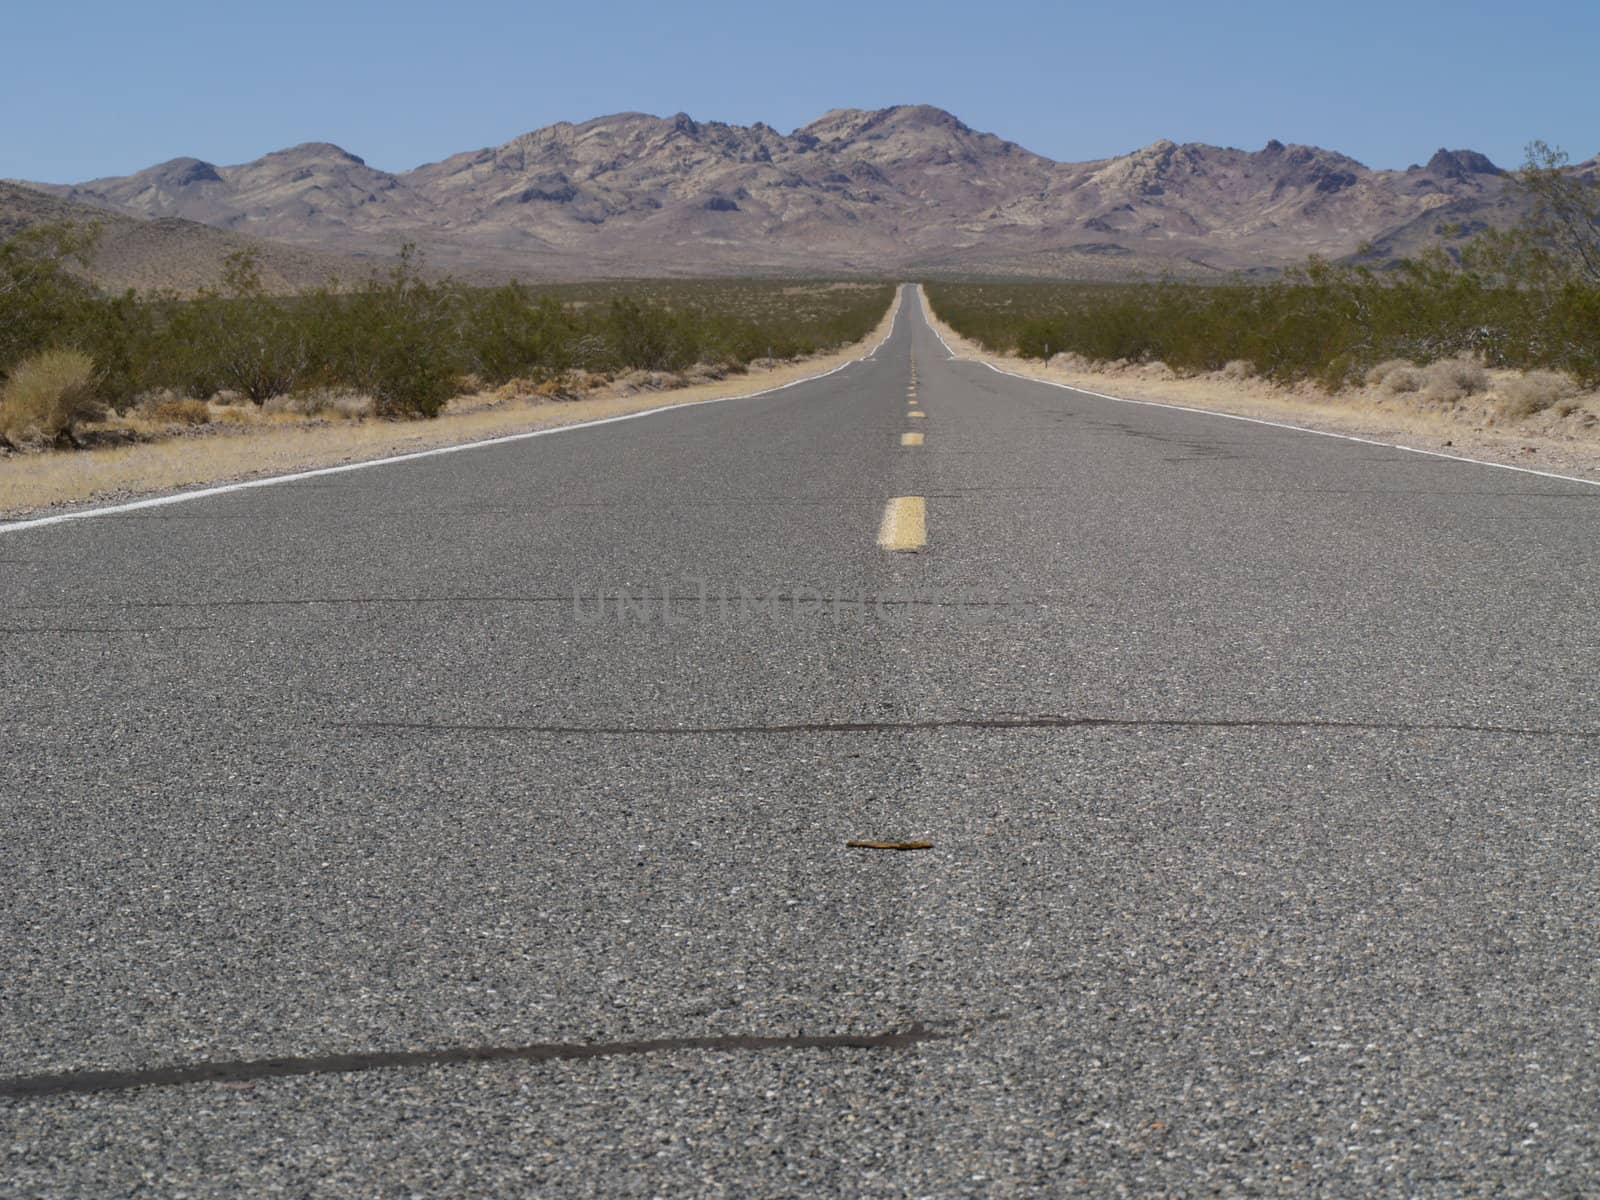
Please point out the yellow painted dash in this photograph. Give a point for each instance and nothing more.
(904, 524)
(911, 439)
(916, 412)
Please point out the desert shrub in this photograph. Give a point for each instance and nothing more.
(403, 350)
(124, 336)
(47, 394)
(1534, 392)
(1378, 373)
(509, 335)
(1571, 328)
(1452, 379)
(1238, 369)
(187, 355)
(178, 410)
(1325, 323)
(42, 303)
(259, 346)
(262, 355)
(587, 351)
(1403, 381)
(646, 338)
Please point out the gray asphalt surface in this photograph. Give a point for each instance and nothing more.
(1261, 770)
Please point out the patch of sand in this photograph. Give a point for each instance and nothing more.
(43, 483)
(1566, 445)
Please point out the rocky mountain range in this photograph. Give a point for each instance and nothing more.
(899, 190)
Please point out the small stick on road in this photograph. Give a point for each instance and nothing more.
(861, 845)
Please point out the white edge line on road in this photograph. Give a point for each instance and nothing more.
(1207, 412)
(341, 468)
(927, 319)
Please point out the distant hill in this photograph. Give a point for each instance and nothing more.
(898, 190)
(170, 253)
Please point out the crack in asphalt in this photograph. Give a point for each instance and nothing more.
(18, 629)
(23, 1087)
(1041, 721)
(587, 597)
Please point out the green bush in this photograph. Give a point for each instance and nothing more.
(510, 335)
(42, 303)
(404, 350)
(259, 348)
(1334, 325)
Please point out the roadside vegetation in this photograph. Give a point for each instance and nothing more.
(396, 345)
(1526, 299)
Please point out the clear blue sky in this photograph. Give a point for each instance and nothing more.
(99, 88)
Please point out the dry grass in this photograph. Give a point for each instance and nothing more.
(176, 410)
(1381, 372)
(1454, 379)
(47, 395)
(1524, 395)
(1403, 380)
(330, 403)
(259, 444)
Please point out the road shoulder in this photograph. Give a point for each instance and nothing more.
(1567, 447)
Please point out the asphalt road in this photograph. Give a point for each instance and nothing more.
(1260, 770)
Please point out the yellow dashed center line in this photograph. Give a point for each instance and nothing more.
(916, 412)
(904, 524)
(911, 439)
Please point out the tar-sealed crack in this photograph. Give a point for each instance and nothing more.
(21, 629)
(583, 597)
(24, 1087)
(1042, 721)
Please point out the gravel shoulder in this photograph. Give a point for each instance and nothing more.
(1566, 446)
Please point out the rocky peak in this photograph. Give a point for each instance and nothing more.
(184, 172)
(318, 152)
(1151, 170)
(1458, 164)
(844, 125)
